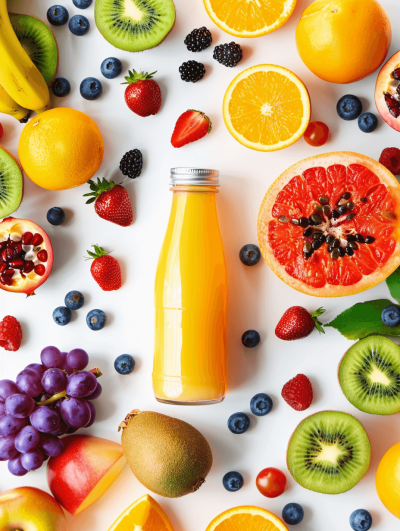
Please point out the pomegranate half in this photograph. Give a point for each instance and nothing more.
(26, 256)
(387, 92)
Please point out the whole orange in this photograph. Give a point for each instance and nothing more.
(61, 148)
(342, 41)
(387, 480)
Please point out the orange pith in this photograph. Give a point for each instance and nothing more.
(296, 193)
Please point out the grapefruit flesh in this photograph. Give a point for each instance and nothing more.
(297, 194)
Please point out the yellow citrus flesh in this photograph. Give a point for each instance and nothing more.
(249, 18)
(61, 148)
(144, 514)
(246, 518)
(266, 108)
(387, 480)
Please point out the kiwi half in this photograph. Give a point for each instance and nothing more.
(39, 42)
(329, 452)
(369, 375)
(11, 184)
(134, 25)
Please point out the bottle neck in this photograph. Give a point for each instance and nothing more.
(185, 188)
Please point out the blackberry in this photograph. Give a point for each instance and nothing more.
(228, 54)
(192, 71)
(131, 163)
(198, 39)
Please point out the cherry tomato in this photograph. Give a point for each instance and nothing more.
(317, 133)
(271, 482)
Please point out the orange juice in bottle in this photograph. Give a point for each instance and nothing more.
(191, 296)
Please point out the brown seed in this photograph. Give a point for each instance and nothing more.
(326, 210)
(350, 205)
(335, 254)
(307, 247)
(351, 216)
(316, 218)
(318, 208)
(294, 221)
(363, 200)
(323, 200)
(283, 219)
(389, 215)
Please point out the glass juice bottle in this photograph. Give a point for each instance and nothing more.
(191, 296)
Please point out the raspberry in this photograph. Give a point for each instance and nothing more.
(298, 392)
(390, 158)
(10, 333)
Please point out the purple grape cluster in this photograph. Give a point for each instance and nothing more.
(48, 400)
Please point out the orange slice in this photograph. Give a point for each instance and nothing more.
(266, 107)
(244, 18)
(144, 514)
(246, 518)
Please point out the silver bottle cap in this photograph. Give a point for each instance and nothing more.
(194, 176)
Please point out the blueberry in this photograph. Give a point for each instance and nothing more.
(293, 513)
(79, 25)
(56, 216)
(251, 338)
(250, 255)
(360, 520)
(261, 404)
(238, 423)
(232, 481)
(349, 107)
(96, 319)
(111, 67)
(57, 15)
(390, 315)
(124, 364)
(82, 4)
(74, 300)
(62, 315)
(61, 87)
(368, 122)
(91, 88)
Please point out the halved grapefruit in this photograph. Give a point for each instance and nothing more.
(329, 226)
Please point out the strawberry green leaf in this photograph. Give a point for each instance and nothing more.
(393, 282)
(318, 325)
(99, 252)
(137, 76)
(91, 200)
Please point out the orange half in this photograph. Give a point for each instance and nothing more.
(144, 514)
(249, 19)
(246, 518)
(266, 108)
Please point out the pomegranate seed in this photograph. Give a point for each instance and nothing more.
(37, 239)
(11, 253)
(9, 272)
(40, 270)
(42, 256)
(7, 281)
(17, 246)
(3, 245)
(22, 275)
(4, 255)
(28, 267)
(3, 266)
(18, 263)
(27, 238)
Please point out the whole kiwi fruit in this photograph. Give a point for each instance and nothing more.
(168, 456)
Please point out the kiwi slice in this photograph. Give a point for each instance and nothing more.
(134, 25)
(39, 42)
(11, 184)
(369, 375)
(329, 452)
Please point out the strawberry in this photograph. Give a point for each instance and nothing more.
(297, 323)
(105, 269)
(191, 126)
(143, 94)
(298, 392)
(10, 333)
(112, 202)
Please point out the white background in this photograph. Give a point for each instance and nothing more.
(257, 297)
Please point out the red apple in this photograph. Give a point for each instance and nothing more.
(84, 471)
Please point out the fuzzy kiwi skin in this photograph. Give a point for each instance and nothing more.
(168, 456)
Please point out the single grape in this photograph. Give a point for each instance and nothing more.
(64, 365)
(37, 367)
(7, 448)
(2, 409)
(54, 381)
(61, 430)
(28, 381)
(51, 445)
(7, 388)
(96, 393)
(32, 460)
(10, 425)
(45, 419)
(81, 384)
(15, 466)
(20, 406)
(93, 414)
(51, 357)
(75, 412)
(27, 439)
(78, 359)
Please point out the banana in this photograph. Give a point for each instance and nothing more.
(11, 107)
(18, 75)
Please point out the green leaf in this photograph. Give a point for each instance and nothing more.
(393, 282)
(91, 200)
(364, 319)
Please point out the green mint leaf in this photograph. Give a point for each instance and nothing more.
(364, 319)
(393, 282)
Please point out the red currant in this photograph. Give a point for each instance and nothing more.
(316, 134)
(271, 482)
